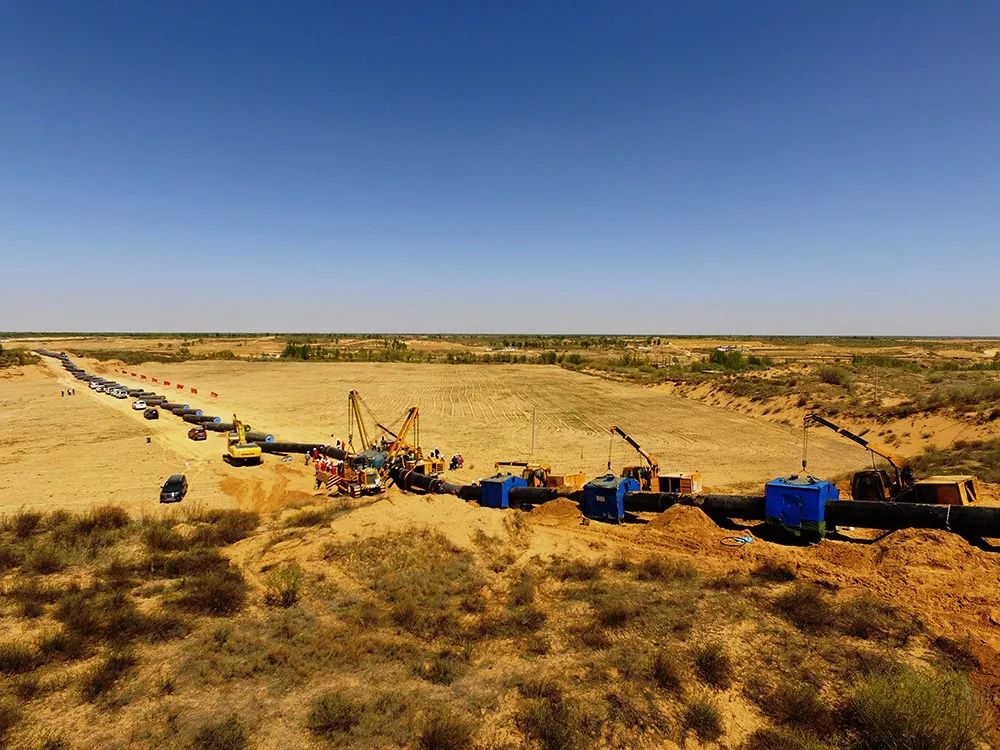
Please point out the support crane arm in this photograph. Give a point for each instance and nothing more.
(896, 461)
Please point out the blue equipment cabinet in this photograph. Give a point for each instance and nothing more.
(494, 492)
(604, 497)
(798, 504)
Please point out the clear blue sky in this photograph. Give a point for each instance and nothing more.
(744, 167)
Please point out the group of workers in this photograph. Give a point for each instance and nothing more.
(67, 392)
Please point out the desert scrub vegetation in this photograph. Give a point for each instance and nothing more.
(407, 639)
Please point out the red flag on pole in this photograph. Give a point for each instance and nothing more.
(143, 377)
(193, 389)
(132, 374)
(154, 380)
(214, 394)
(166, 382)
(180, 387)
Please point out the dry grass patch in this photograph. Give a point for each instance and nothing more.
(332, 715)
(446, 730)
(107, 673)
(284, 586)
(714, 665)
(703, 717)
(227, 734)
(806, 606)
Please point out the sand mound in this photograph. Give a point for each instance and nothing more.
(690, 524)
(925, 548)
(557, 509)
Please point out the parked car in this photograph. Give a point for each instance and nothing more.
(139, 405)
(197, 433)
(119, 393)
(93, 385)
(151, 413)
(99, 388)
(174, 489)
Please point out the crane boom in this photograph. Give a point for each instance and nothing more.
(399, 443)
(896, 461)
(616, 430)
(354, 416)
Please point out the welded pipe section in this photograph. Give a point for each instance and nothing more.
(968, 520)
(727, 506)
(260, 437)
(410, 480)
(287, 447)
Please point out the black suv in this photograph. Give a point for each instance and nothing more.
(174, 489)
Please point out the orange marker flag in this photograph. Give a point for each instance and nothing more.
(166, 382)
(180, 387)
(143, 377)
(154, 380)
(214, 394)
(193, 389)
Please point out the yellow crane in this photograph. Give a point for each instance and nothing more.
(238, 451)
(646, 474)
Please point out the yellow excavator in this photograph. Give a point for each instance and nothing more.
(535, 474)
(647, 474)
(900, 486)
(238, 451)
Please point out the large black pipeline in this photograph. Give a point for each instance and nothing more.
(259, 437)
(971, 520)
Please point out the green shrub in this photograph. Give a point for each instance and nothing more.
(833, 375)
(106, 674)
(703, 717)
(447, 731)
(333, 714)
(916, 710)
(227, 734)
(32, 596)
(615, 609)
(283, 586)
(714, 665)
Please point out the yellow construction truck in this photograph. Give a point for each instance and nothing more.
(900, 485)
(238, 451)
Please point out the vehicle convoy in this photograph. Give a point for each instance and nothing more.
(197, 433)
(139, 405)
(151, 413)
(238, 451)
(900, 486)
(174, 489)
